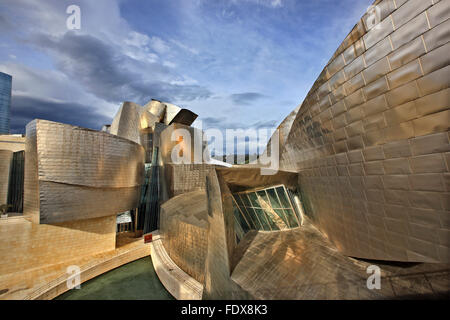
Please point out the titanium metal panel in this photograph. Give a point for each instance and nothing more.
(73, 173)
(6, 157)
(376, 171)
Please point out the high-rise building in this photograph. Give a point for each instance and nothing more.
(5, 102)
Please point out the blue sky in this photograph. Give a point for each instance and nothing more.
(236, 63)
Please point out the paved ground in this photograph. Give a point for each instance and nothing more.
(302, 264)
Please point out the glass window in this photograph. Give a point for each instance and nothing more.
(266, 209)
(273, 198)
(262, 219)
(250, 218)
(245, 200)
(254, 200)
(238, 200)
(263, 195)
(251, 213)
(291, 218)
(272, 220)
(282, 196)
(280, 213)
(240, 219)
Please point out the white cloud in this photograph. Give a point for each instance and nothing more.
(276, 3)
(159, 45)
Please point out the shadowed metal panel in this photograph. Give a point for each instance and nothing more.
(184, 116)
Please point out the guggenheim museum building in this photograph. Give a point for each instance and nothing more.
(362, 184)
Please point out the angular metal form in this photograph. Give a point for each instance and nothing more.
(370, 142)
(132, 120)
(72, 173)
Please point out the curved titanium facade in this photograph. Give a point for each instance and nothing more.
(73, 173)
(5, 102)
(132, 121)
(6, 157)
(370, 141)
(184, 231)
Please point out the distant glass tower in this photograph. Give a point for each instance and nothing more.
(5, 102)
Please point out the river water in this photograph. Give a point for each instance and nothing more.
(136, 280)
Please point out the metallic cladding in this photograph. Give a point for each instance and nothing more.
(73, 173)
(370, 141)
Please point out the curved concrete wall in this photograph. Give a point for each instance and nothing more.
(370, 141)
(74, 173)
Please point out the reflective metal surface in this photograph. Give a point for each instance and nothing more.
(370, 141)
(74, 173)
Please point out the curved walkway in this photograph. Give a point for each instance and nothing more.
(181, 285)
(49, 282)
(89, 271)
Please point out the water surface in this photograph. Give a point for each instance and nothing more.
(136, 280)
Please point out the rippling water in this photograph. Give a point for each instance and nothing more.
(136, 280)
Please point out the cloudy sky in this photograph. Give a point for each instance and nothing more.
(236, 63)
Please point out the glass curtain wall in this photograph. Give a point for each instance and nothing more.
(269, 209)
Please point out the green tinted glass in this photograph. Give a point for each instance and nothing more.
(271, 220)
(263, 195)
(254, 200)
(245, 200)
(283, 197)
(254, 225)
(281, 214)
(273, 198)
(240, 219)
(291, 217)
(238, 200)
(252, 215)
(262, 219)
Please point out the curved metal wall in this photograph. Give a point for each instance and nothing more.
(6, 157)
(73, 173)
(370, 141)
